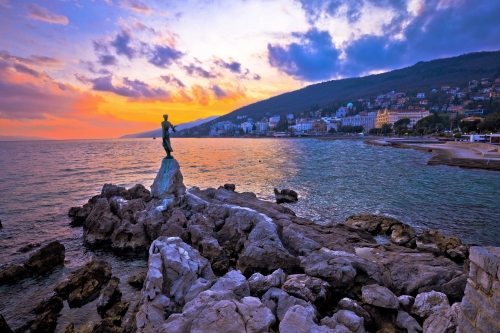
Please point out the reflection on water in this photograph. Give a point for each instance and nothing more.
(39, 181)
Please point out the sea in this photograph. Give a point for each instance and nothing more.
(41, 180)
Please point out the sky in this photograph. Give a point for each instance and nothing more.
(80, 69)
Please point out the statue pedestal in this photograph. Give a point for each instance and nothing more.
(169, 180)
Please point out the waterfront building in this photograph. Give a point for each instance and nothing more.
(421, 95)
(261, 126)
(246, 127)
(318, 126)
(342, 111)
(367, 120)
(391, 116)
(290, 116)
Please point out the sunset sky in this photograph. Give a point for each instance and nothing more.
(104, 68)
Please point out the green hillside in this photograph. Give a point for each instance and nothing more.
(456, 71)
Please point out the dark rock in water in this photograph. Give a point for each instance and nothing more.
(168, 181)
(118, 310)
(1, 226)
(79, 214)
(137, 281)
(140, 192)
(54, 303)
(14, 274)
(230, 187)
(374, 224)
(99, 225)
(109, 296)
(285, 195)
(44, 323)
(46, 258)
(4, 327)
(87, 280)
(434, 242)
(110, 190)
(109, 325)
(28, 247)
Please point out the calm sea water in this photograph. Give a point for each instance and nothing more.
(41, 180)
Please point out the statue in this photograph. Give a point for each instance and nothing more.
(165, 127)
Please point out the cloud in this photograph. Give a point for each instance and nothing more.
(90, 66)
(39, 13)
(107, 59)
(170, 78)
(194, 70)
(164, 56)
(26, 70)
(137, 6)
(219, 93)
(32, 60)
(133, 89)
(121, 44)
(201, 95)
(100, 46)
(314, 58)
(233, 66)
(256, 77)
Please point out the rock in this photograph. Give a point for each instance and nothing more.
(259, 283)
(444, 321)
(84, 294)
(406, 302)
(110, 190)
(13, 274)
(28, 247)
(46, 258)
(299, 319)
(350, 320)
(233, 281)
(374, 224)
(168, 181)
(137, 281)
(285, 195)
(403, 234)
(126, 209)
(434, 242)
(342, 269)
(44, 323)
(336, 327)
(406, 322)
(1, 226)
(99, 225)
(230, 187)
(54, 303)
(95, 270)
(129, 239)
(69, 328)
(109, 296)
(380, 296)
(279, 302)
(175, 226)
(308, 288)
(453, 289)
(351, 305)
(118, 310)
(429, 303)
(87, 328)
(79, 214)
(108, 325)
(138, 191)
(4, 327)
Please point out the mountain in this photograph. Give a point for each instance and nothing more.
(157, 132)
(424, 75)
(20, 138)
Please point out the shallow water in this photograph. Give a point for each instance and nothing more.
(41, 180)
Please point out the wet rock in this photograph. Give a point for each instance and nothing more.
(84, 294)
(69, 328)
(138, 191)
(374, 224)
(99, 225)
(46, 258)
(279, 302)
(95, 270)
(308, 288)
(13, 274)
(380, 296)
(152, 218)
(406, 302)
(406, 322)
(168, 181)
(109, 296)
(285, 195)
(110, 190)
(28, 247)
(434, 242)
(429, 303)
(118, 310)
(4, 327)
(137, 281)
(54, 303)
(259, 283)
(108, 325)
(404, 235)
(342, 269)
(44, 323)
(79, 214)
(299, 319)
(230, 187)
(351, 305)
(444, 321)
(87, 328)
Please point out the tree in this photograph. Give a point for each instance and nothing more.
(386, 128)
(254, 128)
(401, 126)
(332, 130)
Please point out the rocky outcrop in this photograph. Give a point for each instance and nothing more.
(44, 323)
(4, 327)
(53, 302)
(13, 274)
(168, 181)
(259, 283)
(313, 290)
(110, 295)
(46, 258)
(434, 242)
(137, 281)
(429, 303)
(380, 296)
(285, 195)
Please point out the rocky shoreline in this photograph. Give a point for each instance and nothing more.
(223, 261)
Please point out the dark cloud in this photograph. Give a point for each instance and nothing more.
(90, 66)
(256, 77)
(121, 44)
(32, 60)
(233, 66)
(46, 60)
(133, 89)
(314, 58)
(138, 6)
(164, 56)
(170, 78)
(39, 13)
(20, 68)
(107, 59)
(218, 92)
(100, 46)
(194, 70)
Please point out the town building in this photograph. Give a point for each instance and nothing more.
(342, 111)
(391, 116)
(367, 120)
(318, 126)
(421, 95)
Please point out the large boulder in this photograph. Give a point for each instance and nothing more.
(374, 224)
(168, 181)
(299, 319)
(44, 323)
(99, 225)
(285, 195)
(279, 302)
(434, 242)
(352, 305)
(130, 238)
(259, 283)
(429, 303)
(308, 288)
(53, 302)
(110, 295)
(406, 322)
(46, 258)
(380, 296)
(13, 274)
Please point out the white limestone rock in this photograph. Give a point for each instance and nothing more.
(429, 303)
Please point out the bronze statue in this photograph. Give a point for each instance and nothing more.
(165, 127)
